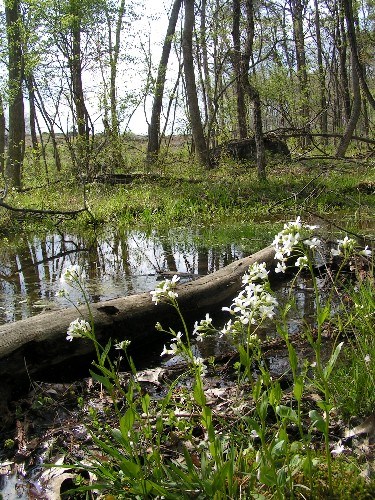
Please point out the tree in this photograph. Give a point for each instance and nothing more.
(244, 85)
(298, 8)
(2, 136)
(191, 88)
(354, 115)
(238, 70)
(321, 74)
(16, 137)
(154, 127)
(348, 9)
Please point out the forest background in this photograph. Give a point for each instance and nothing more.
(297, 70)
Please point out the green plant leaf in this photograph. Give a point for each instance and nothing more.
(262, 406)
(317, 420)
(127, 422)
(145, 403)
(298, 388)
(199, 396)
(267, 475)
(278, 450)
(132, 469)
(286, 413)
(332, 360)
(103, 380)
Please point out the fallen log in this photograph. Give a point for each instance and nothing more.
(33, 345)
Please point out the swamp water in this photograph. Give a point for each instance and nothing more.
(115, 265)
(119, 265)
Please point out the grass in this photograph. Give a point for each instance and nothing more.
(186, 194)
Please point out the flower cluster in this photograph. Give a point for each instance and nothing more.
(77, 329)
(123, 345)
(287, 239)
(346, 247)
(165, 290)
(253, 304)
(175, 347)
(199, 363)
(204, 328)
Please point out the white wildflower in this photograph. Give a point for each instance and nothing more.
(280, 268)
(123, 345)
(199, 363)
(336, 252)
(367, 359)
(77, 329)
(302, 261)
(366, 251)
(165, 289)
(174, 347)
(347, 243)
(257, 271)
(345, 246)
(203, 328)
(72, 274)
(313, 243)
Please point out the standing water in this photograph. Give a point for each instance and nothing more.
(115, 265)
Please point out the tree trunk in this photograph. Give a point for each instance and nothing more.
(297, 9)
(50, 127)
(2, 136)
(253, 92)
(191, 88)
(236, 61)
(341, 43)
(348, 9)
(39, 343)
(16, 137)
(206, 70)
(114, 55)
(153, 146)
(355, 113)
(77, 86)
(31, 91)
(322, 84)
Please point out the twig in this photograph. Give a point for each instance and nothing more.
(42, 212)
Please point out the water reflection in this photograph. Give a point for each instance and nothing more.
(115, 265)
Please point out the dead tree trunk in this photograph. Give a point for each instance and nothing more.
(39, 343)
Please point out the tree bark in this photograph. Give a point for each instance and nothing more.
(206, 71)
(354, 117)
(236, 62)
(2, 136)
(297, 9)
(341, 43)
(253, 92)
(75, 66)
(322, 84)
(16, 137)
(348, 9)
(201, 148)
(31, 91)
(153, 146)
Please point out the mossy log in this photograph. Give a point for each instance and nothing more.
(39, 343)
